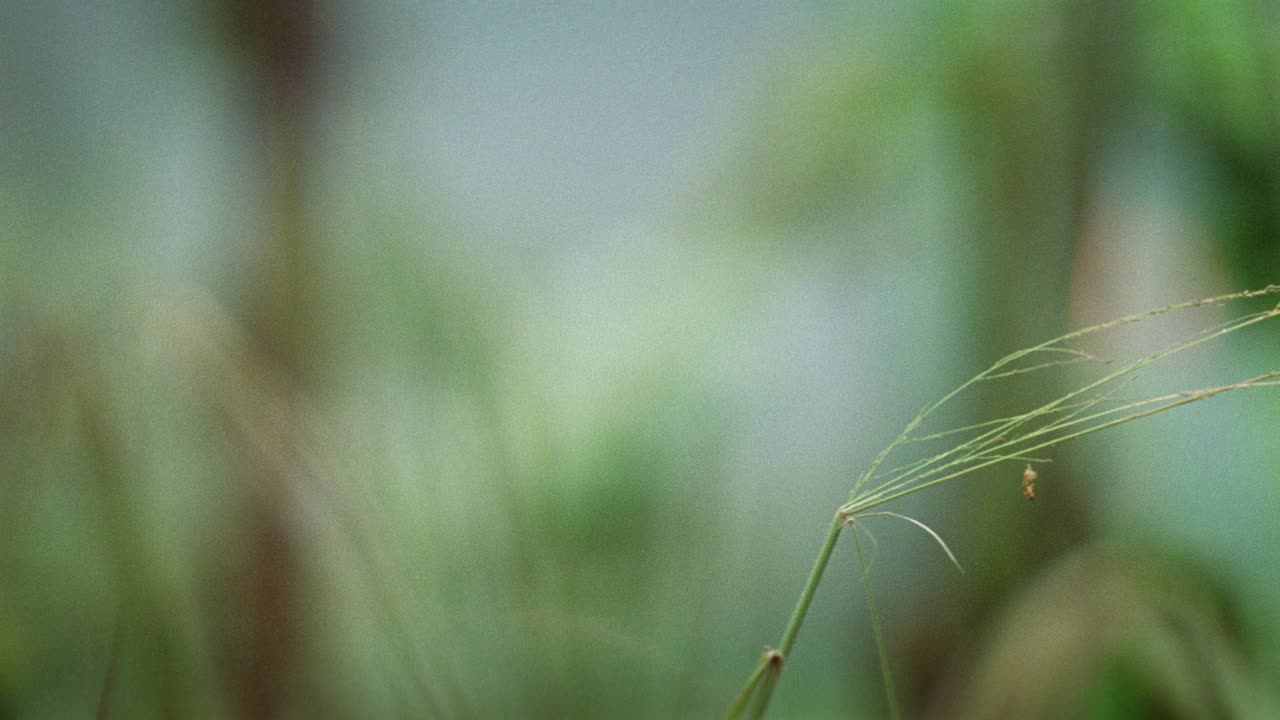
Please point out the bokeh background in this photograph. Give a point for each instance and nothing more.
(474, 360)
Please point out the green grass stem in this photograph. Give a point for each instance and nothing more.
(886, 672)
(1014, 438)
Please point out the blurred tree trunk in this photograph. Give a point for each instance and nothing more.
(278, 40)
(1036, 105)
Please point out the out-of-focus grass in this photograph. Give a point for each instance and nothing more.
(532, 465)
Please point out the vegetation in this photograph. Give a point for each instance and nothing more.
(473, 360)
(1092, 407)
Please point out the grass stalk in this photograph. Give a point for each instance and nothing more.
(886, 672)
(770, 667)
(995, 438)
(773, 669)
(811, 585)
(868, 503)
(749, 689)
(1088, 409)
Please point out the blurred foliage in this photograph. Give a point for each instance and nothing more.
(1106, 633)
(446, 362)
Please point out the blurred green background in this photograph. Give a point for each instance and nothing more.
(472, 360)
